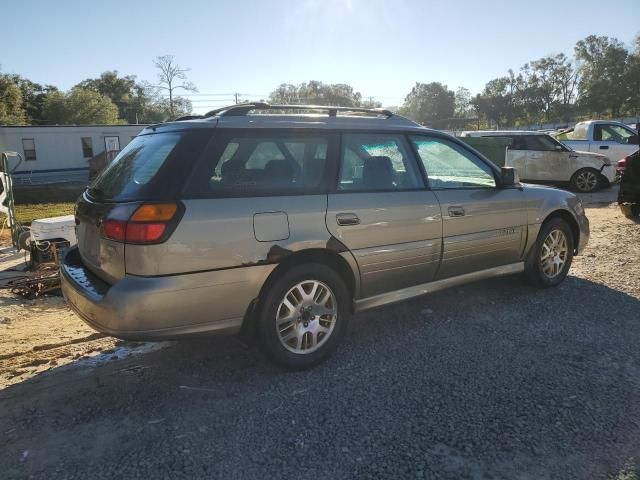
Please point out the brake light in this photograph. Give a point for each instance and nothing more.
(114, 229)
(621, 166)
(149, 223)
(144, 232)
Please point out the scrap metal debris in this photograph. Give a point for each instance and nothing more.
(45, 278)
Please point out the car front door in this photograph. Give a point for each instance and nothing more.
(548, 160)
(383, 213)
(614, 141)
(484, 226)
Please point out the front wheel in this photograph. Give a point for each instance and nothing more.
(585, 180)
(304, 316)
(550, 258)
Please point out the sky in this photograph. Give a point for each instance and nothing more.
(381, 48)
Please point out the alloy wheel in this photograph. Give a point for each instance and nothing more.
(586, 181)
(306, 317)
(554, 254)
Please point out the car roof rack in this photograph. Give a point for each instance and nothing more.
(244, 108)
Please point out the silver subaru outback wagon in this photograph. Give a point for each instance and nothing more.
(290, 219)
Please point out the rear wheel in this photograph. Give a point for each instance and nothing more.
(550, 258)
(304, 316)
(585, 180)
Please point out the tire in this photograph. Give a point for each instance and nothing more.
(545, 273)
(302, 337)
(631, 210)
(585, 180)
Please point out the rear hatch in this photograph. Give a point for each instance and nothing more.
(152, 168)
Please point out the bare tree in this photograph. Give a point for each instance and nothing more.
(172, 77)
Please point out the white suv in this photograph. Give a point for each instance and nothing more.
(540, 158)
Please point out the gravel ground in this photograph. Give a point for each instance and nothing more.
(491, 380)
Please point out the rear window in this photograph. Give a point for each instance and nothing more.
(135, 167)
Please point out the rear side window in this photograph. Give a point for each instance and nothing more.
(542, 143)
(277, 164)
(377, 162)
(135, 167)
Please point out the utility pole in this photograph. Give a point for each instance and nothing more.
(236, 95)
(371, 101)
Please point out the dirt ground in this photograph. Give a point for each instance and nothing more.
(64, 387)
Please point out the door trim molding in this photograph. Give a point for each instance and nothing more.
(430, 287)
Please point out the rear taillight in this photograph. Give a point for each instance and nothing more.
(114, 229)
(149, 223)
(621, 166)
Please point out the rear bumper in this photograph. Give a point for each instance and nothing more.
(160, 308)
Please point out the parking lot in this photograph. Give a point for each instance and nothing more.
(489, 380)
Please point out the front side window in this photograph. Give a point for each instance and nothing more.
(266, 165)
(448, 165)
(87, 147)
(29, 148)
(377, 162)
(612, 133)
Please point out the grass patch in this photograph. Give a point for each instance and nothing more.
(31, 211)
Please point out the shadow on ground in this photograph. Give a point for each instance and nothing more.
(491, 380)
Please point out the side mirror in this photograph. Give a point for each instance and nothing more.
(508, 177)
(633, 140)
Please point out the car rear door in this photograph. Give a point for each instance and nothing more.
(484, 226)
(382, 212)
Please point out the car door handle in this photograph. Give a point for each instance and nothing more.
(604, 147)
(347, 219)
(456, 212)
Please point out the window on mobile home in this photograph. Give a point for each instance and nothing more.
(29, 148)
(87, 147)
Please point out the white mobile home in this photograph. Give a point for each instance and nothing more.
(61, 153)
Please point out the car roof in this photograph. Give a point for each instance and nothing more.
(311, 116)
(499, 133)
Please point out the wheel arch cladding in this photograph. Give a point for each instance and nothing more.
(327, 257)
(570, 219)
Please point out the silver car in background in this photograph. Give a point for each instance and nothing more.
(286, 220)
(540, 158)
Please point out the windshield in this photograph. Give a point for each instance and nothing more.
(134, 167)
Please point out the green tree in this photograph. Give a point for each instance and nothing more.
(12, 110)
(632, 79)
(285, 94)
(80, 107)
(120, 90)
(430, 103)
(316, 93)
(33, 97)
(495, 103)
(603, 66)
(462, 102)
